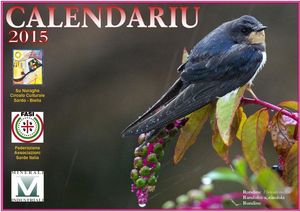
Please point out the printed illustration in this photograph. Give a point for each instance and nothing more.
(27, 67)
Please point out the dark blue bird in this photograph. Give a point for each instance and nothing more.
(227, 58)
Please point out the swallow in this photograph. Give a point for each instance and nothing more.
(226, 59)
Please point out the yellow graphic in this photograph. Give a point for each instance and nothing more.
(28, 67)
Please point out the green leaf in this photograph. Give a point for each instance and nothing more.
(273, 185)
(189, 133)
(242, 117)
(225, 112)
(224, 174)
(289, 104)
(240, 167)
(253, 135)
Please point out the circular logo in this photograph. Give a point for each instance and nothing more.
(27, 128)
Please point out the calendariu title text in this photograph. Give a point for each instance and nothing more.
(31, 25)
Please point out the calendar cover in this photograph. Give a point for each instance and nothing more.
(149, 105)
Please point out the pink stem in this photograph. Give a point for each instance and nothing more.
(270, 106)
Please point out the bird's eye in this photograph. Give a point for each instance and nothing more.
(245, 30)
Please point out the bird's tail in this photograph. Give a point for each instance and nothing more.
(169, 95)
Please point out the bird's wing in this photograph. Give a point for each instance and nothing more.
(169, 95)
(235, 68)
(181, 67)
(207, 67)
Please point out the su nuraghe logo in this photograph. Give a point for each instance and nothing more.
(27, 127)
(27, 67)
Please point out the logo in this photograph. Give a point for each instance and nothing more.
(27, 186)
(27, 67)
(27, 127)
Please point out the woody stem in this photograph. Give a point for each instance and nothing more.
(270, 106)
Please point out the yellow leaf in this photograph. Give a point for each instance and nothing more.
(185, 55)
(290, 172)
(253, 135)
(189, 133)
(289, 104)
(242, 117)
(225, 112)
(280, 135)
(218, 144)
(220, 147)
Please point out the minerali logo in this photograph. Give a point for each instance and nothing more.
(27, 186)
(27, 127)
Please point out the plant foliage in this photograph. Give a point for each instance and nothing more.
(229, 123)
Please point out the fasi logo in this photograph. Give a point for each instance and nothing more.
(27, 186)
(27, 127)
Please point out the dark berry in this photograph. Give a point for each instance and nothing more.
(166, 139)
(196, 194)
(141, 138)
(134, 174)
(173, 131)
(169, 204)
(158, 148)
(182, 199)
(170, 126)
(161, 154)
(152, 181)
(141, 151)
(138, 162)
(145, 171)
(152, 158)
(140, 182)
(207, 188)
(162, 133)
(157, 168)
(144, 151)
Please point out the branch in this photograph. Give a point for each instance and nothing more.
(268, 105)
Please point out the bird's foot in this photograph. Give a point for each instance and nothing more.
(249, 89)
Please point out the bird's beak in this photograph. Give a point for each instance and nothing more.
(258, 36)
(261, 28)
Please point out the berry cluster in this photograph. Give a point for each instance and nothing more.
(193, 198)
(148, 157)
(203, 199)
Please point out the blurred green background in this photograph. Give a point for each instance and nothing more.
(99, 80)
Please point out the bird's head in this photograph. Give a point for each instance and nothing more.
(247, 29)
